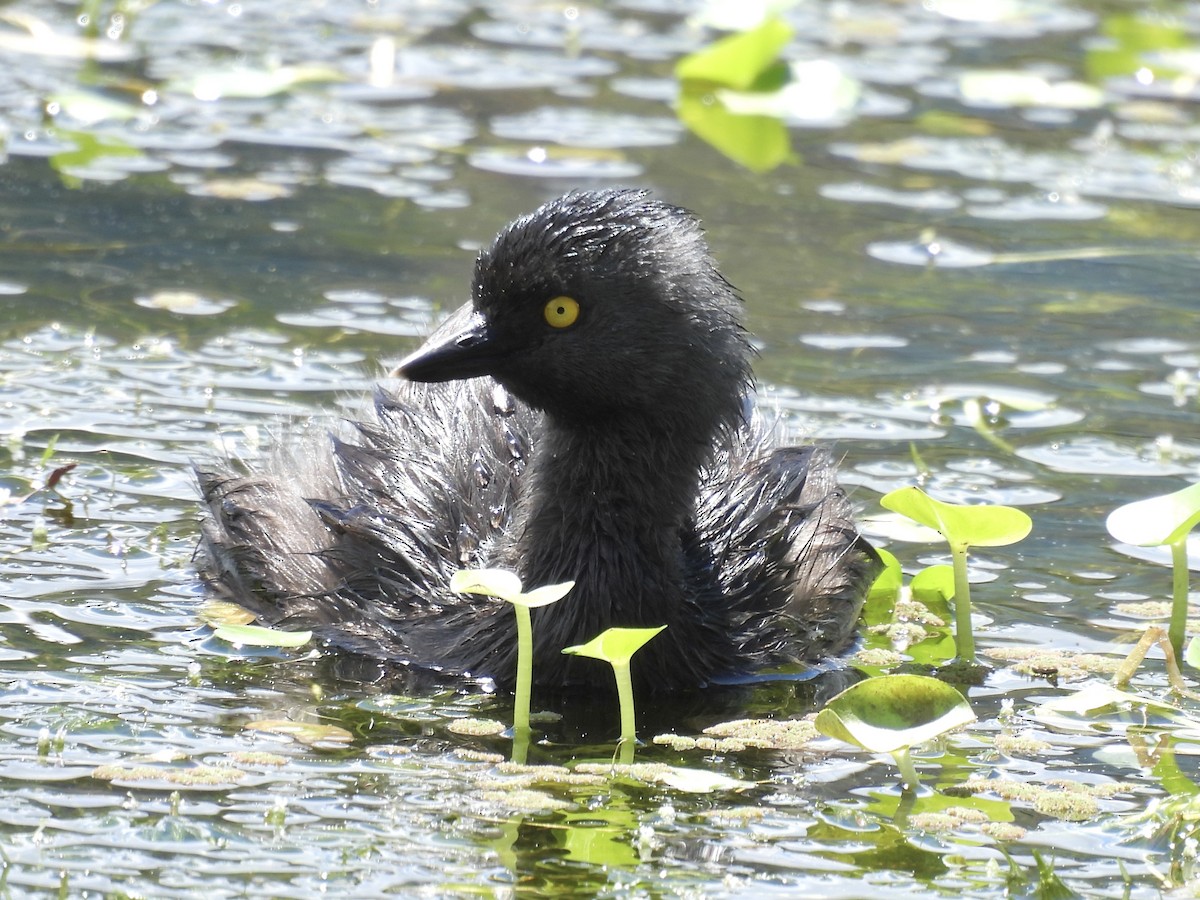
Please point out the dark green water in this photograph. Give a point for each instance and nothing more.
(197, 247)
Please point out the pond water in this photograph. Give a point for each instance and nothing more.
(219, 222)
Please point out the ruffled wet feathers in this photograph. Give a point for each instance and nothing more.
(625, 461)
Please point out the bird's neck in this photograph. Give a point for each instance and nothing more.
(606, 506)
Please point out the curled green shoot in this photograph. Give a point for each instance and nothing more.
(616, 646)
(1160, 521)
(963, 527)
(507, 586)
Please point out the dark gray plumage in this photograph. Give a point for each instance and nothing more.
(615, 451)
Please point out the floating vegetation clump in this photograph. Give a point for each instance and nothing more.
(1070, 801)
(769, 734)
(1021, 745)
(1059, 665)
(181, 777)
(696, 781)
(523, 800)
(476, 727)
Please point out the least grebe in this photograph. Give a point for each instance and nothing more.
(584, 418)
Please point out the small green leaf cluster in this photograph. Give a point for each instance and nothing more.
(963, 527)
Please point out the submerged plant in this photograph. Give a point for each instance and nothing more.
(963, 527)
(616, 647)
(507, 586)
(1160, 521)
(893, 713)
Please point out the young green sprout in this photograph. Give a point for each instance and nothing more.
(507, 586)
(616, 646)
(893, 713)
(1163, 521)
(963, 527)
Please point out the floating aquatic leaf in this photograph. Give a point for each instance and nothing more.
(88, 151)
(1100, 698)
(696, 781)
(38, 38)
(254, 190)
(184, 303)
(90, 107)
(881, 599)
(894, 712)
(933, 584)
(257, 636)
(1136, 41)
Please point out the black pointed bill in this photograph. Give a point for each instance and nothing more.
(466, 349)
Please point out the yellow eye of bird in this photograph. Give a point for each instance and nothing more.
(561, 312)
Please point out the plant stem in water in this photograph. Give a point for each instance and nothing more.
(524, 670)
(1179, 602)
(964, 637)
(625, 695)
(908, 772)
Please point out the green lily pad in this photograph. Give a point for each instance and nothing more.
(616, 645)
(975, 526)
(894, 712)
(257, 636)
(1165, 519)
